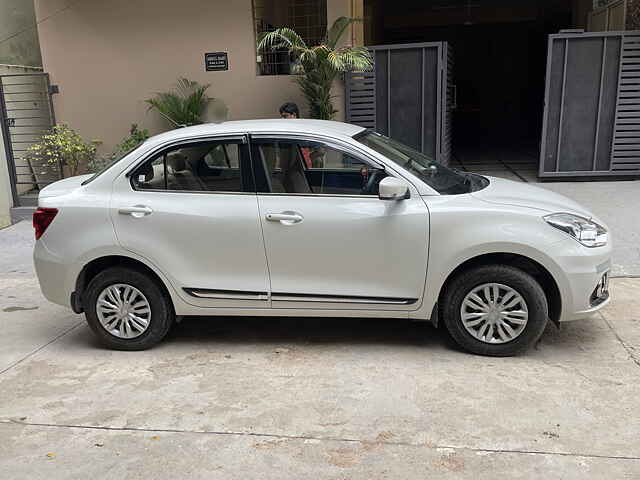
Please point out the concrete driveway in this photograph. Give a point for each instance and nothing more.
(238, 398)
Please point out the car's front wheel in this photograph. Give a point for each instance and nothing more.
(127, 309)
(495, 310)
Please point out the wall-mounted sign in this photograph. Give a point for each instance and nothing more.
(216, 61)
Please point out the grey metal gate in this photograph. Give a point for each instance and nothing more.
(408, 96)
(26, 112)
(591, 124)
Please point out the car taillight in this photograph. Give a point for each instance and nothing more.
(42, 218)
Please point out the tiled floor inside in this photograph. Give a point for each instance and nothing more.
(518, 164)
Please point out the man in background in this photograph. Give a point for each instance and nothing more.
(289, 110)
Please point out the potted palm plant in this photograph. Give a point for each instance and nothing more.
(318, 66)
(186, 104)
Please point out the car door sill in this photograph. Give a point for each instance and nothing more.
(295, 297)
(301, 297)
(227, 294)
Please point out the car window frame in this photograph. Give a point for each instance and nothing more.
(240, 139)
(293, 137)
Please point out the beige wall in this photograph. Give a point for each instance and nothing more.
(335, 9)
(19, 45)
(6, 200)
(107, 56)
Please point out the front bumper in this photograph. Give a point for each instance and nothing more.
(585, 274)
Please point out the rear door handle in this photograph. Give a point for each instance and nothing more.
(136, 211)
(286, 218)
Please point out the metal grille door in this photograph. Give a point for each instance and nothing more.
(26, 113)
(449, 104)
(591, 123)
(408, 96)
(625, 156)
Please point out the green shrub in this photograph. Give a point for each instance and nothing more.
(63, 146)
(128, 143)
(131, 141)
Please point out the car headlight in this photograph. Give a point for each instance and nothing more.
(587, 232)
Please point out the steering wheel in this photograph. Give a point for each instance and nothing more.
(369, 188)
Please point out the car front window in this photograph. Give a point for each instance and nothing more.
(443, 180)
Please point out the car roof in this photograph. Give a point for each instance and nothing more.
(278, 125)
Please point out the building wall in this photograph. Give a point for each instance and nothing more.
(17, 20)
(6, 200)
(108, 56)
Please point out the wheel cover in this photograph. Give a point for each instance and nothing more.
(123, 311)
(494, 313)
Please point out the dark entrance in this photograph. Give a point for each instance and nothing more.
(500, 50)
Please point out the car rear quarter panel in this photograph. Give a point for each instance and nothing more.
(80, 231)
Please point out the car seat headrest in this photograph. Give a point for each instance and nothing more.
(176, 161)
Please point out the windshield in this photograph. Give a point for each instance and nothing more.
(111, 162)
(442, 179)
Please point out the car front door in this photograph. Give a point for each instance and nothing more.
(190, 209)
(331, 242)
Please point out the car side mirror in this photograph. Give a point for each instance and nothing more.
(391, 188)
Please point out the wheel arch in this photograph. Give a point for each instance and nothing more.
(99, 264)
(534, 268)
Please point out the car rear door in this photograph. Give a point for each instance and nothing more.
(191, 210)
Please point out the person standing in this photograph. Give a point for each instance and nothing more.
(290, 110)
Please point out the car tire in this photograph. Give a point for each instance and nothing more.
(506, 279)
(160, 309)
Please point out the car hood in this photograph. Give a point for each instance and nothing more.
(62, 187)
(507, 192)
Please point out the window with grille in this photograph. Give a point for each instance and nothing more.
(308, 18)
(602, 3)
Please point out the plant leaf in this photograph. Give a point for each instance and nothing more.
(338, 28)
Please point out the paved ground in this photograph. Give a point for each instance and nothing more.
(517, 164)
(322, 398)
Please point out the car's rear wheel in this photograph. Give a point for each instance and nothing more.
(495, 310)
(127, 309)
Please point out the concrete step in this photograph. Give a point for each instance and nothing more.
(21, 213)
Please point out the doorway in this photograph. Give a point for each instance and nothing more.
(500, 53)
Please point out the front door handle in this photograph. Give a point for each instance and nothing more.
(286, 218)
(136, 211)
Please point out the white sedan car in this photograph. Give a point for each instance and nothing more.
(313, 218)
